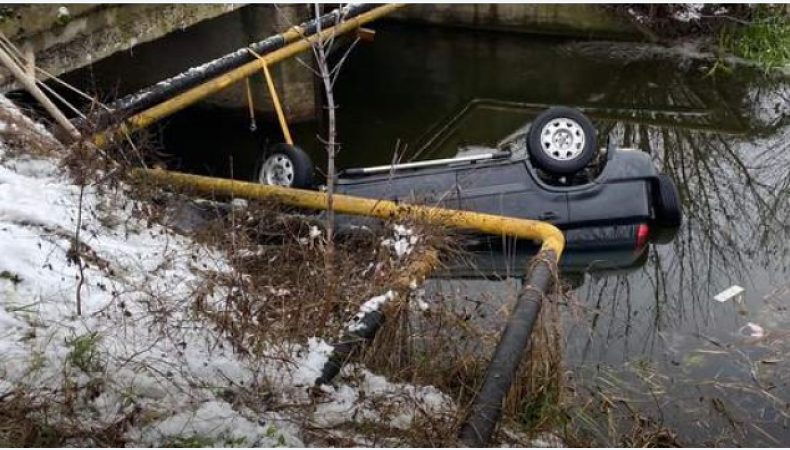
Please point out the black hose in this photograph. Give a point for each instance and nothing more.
(364, 332)
(165, 89)
(487, 406)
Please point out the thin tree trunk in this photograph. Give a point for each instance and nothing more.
(330, 141)
(77, 246)
(330, 144)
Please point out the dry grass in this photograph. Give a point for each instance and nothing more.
(280, 290)
(31, 419)
(278, 260)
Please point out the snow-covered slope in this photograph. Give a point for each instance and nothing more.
(138, 358)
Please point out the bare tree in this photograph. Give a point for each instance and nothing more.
(321, 49)
(328, 73)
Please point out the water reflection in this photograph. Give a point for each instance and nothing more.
(651, 337)
(735, 194)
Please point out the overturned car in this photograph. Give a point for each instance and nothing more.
(559, 176)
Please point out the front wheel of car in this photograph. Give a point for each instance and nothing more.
(668, 211)
(286, 165)
(561, 141)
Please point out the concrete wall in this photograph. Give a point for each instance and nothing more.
(66, 37)
(577, 20)
(295, 83)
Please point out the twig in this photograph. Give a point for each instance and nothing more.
(77, 253)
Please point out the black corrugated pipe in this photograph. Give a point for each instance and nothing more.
(487, 406)
(163, 90)
(364, 332)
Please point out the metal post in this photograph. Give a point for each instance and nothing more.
(278, 109)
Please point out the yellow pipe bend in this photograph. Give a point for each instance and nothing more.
(550, 236)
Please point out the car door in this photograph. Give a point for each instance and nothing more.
(433, 187)
(507, 189)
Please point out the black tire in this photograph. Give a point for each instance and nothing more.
(562, 160)
(296, 167)
(669, 213)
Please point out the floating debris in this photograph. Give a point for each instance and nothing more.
(752, 330)
(729, 293)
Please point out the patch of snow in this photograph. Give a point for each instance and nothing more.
(418, 299)
(641, 18)
(404, 403)
(688, 12)
(129, 273)
(213, 424)
(309, 367)
(373, 304)
(403, 241)
(239, 203)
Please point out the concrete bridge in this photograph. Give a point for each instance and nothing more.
(63, 38)
(126, 47)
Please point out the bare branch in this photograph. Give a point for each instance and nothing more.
(339, 65)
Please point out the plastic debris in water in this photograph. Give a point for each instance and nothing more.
(752, 330)
(729, 293)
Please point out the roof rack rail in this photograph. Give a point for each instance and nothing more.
(429, 163)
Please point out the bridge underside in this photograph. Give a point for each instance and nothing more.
(65, 38)
(123, 48)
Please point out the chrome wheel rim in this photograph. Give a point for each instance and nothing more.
(277, 170)
(562, 139)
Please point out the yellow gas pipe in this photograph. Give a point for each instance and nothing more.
(549, 235)
(187, 98)
(278, 109)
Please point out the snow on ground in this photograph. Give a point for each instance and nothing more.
(688, 12)
(138, 347)
(402, 242)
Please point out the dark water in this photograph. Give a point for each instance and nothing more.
(651, 337)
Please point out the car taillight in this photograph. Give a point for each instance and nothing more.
(642, 236)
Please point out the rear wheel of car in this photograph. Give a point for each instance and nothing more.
(561, 141)
(667, 203)
(286, 165)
